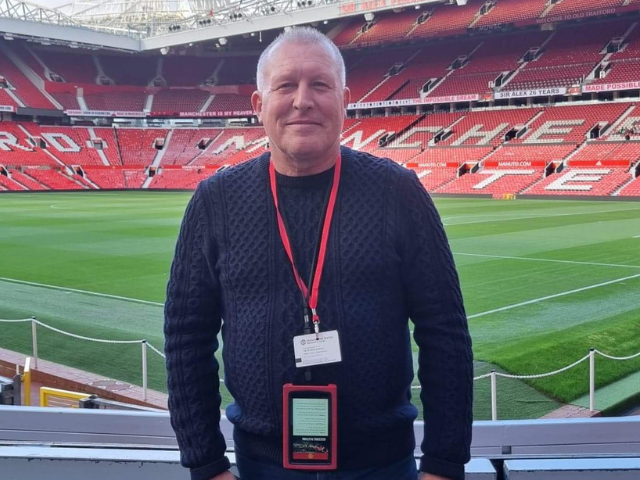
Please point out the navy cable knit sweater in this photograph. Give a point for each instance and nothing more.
(388, 260)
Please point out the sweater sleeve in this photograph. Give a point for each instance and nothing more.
(445, 358)
(191, 325)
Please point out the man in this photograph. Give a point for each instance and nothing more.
(316, 233)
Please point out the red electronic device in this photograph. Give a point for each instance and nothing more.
(310, 427)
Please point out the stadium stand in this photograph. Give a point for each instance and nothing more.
(7, 183)
(6, 99)
(187, 71)
(184, 146)
(632, 189)
(238, 71)
(509, 11)
(175, 101)
(494, 181)
(72, 68)
(567, 7)
(54, 179)
(137, 145)
(603, 151)
(598, 180)
(426, 65)
(488, 127)
(569, 56)
(229, 102)
(448, 19)
(572, 123)
(116, 101)
(30, 95)
(27, 181)
(135, 69)
(184, 179)
(69, 101)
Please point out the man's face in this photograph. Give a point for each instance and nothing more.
(303, 104)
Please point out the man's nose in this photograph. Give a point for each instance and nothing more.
(304, 97)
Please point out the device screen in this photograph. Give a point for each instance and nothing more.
(310, 421)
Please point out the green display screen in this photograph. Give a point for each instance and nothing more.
(311, 417)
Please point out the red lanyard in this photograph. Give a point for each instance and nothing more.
(312, 298)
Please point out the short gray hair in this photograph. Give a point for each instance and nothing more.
(304, 36)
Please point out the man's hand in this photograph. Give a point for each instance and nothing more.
(430, 476)
(224, 476)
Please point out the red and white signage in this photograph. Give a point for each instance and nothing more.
(471, 97)
(607, 87)
(104, 113)
(220, 113)
(514, 164)
(386, 103)
(537, 92)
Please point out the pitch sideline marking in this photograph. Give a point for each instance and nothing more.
(531, 215)
(547, 260)
(84, 292)
(556, 295)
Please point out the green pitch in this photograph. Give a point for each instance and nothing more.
(543, 282)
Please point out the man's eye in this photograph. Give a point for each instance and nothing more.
(286, 85)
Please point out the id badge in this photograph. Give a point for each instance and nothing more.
(310, 427)
(309, 350)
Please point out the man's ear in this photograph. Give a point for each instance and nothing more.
(346, 98)
(256, 103)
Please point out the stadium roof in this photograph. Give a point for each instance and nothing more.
(139, 25)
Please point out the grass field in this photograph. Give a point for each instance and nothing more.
(543, 282)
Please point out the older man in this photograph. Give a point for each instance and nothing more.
(316, 257)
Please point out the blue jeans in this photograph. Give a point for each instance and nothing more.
(252, 470)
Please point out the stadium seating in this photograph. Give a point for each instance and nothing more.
(116, 101)
(187, 71)
(488, 127)
(135, 69)
(54, 179)
(632, 189)
(371, 70)
(604, 151)
(581, 181)
(24, 88)
(569, 57)
(229, 102)
(176, 101)
(187, 179)
(427, 64)
(238, 71)
(137, 145)
(567, 7)
(224, 150)
(6, 99)
(69, 101)
(17, 150)
(106, 178)
(443, 155)
(448, 19)
(7, 183)
(575, 121)
(387, 28)
(513, 156)
(434, 178)
(494, 181)
(621, 71)
(79, 68)
(632, 48)
(419, 135)
(509, 11)
(183, 147)
(110, 146)
(365, 135)
(74, 143)
(27, 181)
